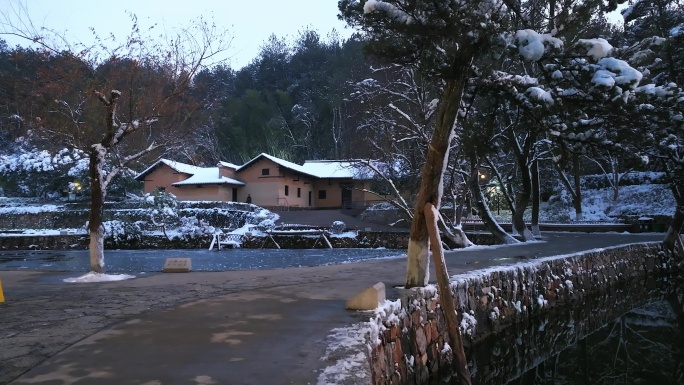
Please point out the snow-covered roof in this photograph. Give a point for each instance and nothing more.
(337, 169)
(208, 175)
(320, 168)
(177, 166)
(198, 175)
(229, 165)
(278, 161)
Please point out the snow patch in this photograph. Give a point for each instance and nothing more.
(599, 48)
(98, 277)
(532, 45)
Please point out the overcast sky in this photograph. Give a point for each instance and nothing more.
(250, 22)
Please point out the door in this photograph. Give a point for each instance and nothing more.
(346, 197)
(235, 198)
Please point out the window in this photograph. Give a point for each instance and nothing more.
(287, 190)
(200, 186)
(321, 194)
(299, 192)
(265, 171)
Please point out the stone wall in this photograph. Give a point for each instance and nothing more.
(364, 239)
(408, 335)
(45, 220)
(81, 242)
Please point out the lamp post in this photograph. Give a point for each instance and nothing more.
(497, 191)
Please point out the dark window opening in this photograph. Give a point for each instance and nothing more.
(265, 171)
(299, 192)
(322, 194)
(287, 190)
(200, 186)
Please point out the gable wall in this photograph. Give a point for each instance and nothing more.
(227, 172)
(269, 190)
(163, 176)
(333, 189)
(208, 192)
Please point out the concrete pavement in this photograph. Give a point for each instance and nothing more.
(233, 327)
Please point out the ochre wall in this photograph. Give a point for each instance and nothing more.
(163, 176)
(227, 172)
(333, 188)
(269, 190)
(208, 192)
(264, 190)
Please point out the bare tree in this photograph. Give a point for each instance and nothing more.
(134, 103)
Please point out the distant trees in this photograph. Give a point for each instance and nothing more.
(290, 101)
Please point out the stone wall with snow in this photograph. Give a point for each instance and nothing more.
(409, 342)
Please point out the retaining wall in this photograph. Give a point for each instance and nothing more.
(407, 341)
(364, 239)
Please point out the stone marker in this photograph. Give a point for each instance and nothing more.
(367, 299)
(177, 265)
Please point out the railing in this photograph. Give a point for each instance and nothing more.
(226, 240)
(283, 204)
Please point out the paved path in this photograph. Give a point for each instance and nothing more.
(325, 218)
(233, 327)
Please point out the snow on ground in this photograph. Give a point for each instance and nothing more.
(98, 277)
(597, 205)
(347, 357)
(29, 209)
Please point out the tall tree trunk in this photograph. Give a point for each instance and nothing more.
(536, 198)
(97, 198)
(480, 203)
(417, 271)
(673, 240)
(616, 179)
(577, 198)
(447, 297)
(522, 199)
(98, 181)
(523, 196)
(568, 186)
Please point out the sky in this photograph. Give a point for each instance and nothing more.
(249, 23)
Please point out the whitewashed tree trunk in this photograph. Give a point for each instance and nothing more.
(99, 181)
(417, 271)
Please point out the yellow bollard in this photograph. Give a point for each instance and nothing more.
(2, 296)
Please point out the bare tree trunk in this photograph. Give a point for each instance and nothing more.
(522, 199)
(523, 154)
(97, 197)
(447, 297)
(577, 198)
(616, 179)
(490, 223)
(536, 193)
(673, 239)
(98, 181)
(417, 271)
